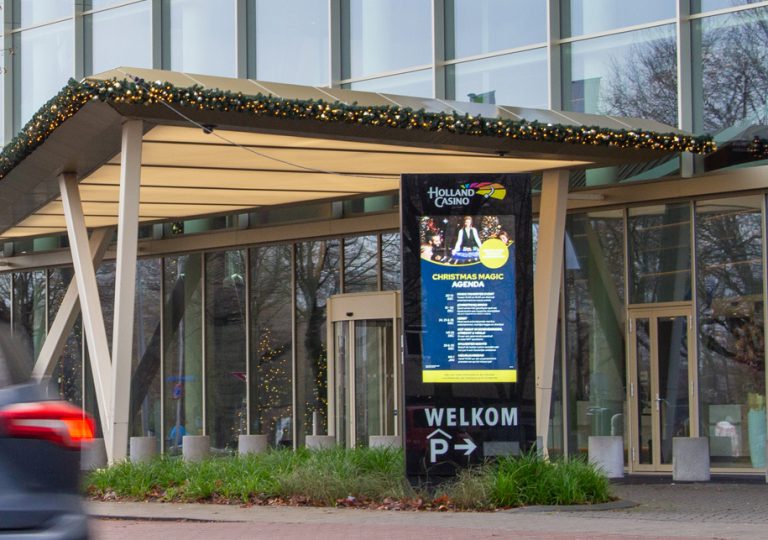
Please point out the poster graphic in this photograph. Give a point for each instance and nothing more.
(468, 298)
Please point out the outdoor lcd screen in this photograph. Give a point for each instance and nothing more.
(468, 376)
(468, 298)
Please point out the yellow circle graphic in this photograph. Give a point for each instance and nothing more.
(494, 253)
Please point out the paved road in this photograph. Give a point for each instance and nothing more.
(684, 511)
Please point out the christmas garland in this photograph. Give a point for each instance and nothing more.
(758, 148)
(77, 94)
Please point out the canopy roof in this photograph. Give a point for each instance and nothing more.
(214, 145)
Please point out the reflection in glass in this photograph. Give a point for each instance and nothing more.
(361, 264)
(672, 400)
(129, 26)
(225, 371)
(482, 26)
(698, 6)
(42, 63)
(498, 80)
(629, 74)
(589, 16)
(182, 368)
(34, 12)
(731, 362)
(317, 278)
(730, 79)
(645, 401)
(5, 298)
(68, 373)
(29, 317)
(594, 292)
(390, 262)
(105, 281)
(145, 379)
(385, 35)
(416, 83)
(271, 344)
(294, 28)
(660, 253)
(374, 380)
(202, 36)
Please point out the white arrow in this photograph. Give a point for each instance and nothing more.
(468, 448)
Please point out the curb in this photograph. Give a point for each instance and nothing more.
(602, 507)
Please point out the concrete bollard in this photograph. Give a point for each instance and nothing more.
(195, 447)
(690, 459)
(607, 453)
(385, 441)
(252, 444)
(320, 442)
(93, 455)
(142, 449)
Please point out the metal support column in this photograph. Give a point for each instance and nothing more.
(90, 305)
(125, 285)
(61, 328)
(546, 292)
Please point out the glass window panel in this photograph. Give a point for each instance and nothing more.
(129, 26)
(182, 366)
(42, 64)
(589, 16)
(644, 394)
(630, 74)
(674, 409)
(317, 278)
(271, 344)
(731, 352)
(105, 280)
(482, 26)
(594, 278)
(68, 373)
(147, 336)
(698, 6)
(730, 79)
(29, 320)
(202, 36)
(518, 79)
(361, 268)
(225, 366)
(385, 35)
(89, 5)
(660, 253)
(295, 29)
(417, 83)
(390, 262)
(5, 298)
(33, 12)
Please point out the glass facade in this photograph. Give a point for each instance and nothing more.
(629, 74)
(201, 39)
(234, 341)
(612, 57)
(128, 25)
(295, 28)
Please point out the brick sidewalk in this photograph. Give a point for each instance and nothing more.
(665, 511)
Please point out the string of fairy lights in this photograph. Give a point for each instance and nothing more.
(77, 94)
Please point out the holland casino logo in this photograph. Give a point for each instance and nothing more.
(463, 194)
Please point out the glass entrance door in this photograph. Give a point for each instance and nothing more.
(661, 389)
(364, 379)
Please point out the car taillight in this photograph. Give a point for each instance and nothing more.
(56, 421)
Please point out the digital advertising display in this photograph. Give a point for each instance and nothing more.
(467, 283)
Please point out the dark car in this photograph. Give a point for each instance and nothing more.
(40, 441)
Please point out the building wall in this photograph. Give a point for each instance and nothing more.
(694, 64)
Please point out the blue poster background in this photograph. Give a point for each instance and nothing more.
(468, 316)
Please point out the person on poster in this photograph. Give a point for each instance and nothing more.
(468, 239)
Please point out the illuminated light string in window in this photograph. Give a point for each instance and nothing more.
(76, 94)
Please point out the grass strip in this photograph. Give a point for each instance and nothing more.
(351, 477)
